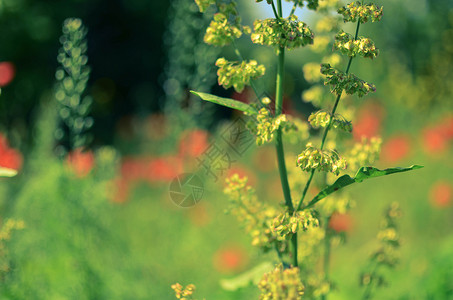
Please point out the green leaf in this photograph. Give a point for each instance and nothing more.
(362, 174)
(6, 172)
(252, 276)
(227, 102)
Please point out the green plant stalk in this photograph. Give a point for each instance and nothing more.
(279, 142)
(326, 131)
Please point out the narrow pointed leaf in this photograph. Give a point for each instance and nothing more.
(231, 103)
(362, 174)
(252, 276)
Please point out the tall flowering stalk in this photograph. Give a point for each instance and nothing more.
(277, 228)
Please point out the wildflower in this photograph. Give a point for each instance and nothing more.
(321, 119)
(356, 11)
(229, 259)
(81, 162)
(281, 284)
(396, 148)
(183, 293)
(238, 75)
(193, 143)
(340, 222)
(351, 47)
(348, 82)
(7, 73)
(220, 32)
(323, 160)
(288, 33)
(441, 194)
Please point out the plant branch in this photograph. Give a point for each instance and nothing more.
(275, 10)
(326, 131)
(293, 10)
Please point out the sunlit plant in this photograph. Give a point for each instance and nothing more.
(301, 225)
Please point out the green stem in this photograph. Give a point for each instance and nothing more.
(293, 10)
(275, 10)
(326, 131)
(239, 55)
(279, 142)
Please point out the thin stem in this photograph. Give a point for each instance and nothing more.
(239, 55)
(275, 10)
(280, 10)
(293, 10)
(326, 131)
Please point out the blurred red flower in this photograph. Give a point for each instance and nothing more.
(119, 190)
(440, 194)
(396, 148)
(229, 259)
(81, 162)
(9, 158)
(340, 222)
(164, 168)
(368, 123)
(435, 139)
(7, 73)
(193, 142)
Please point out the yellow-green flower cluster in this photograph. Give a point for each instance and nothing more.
(364, 153)
(323, 160)
(265, 125)
(183, 293)
(9, 226)
(349, 46)
(253, 214)
(281, 284)
(322, 119)
(288, 33)
(238, 75)
(387, 255)
(204, 4)
(349, 83)
(363, 13)
(286, 224)
(220, 32)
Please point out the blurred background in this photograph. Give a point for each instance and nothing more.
(100, 223)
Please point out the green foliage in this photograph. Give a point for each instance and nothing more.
(355, 11)
(289, 33)
(361, 175)
(349, 83)
(352, 47)
(227, 102)
(386, 255)
(220, 32)
(252, 276)
(281, 284)
(313, 158)
(72, 77)
(323, 119)
(238, 75)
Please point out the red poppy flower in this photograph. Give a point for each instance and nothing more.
(81, 162)
(230, 259)
(396, 148)
(368, 123)
(193, 143)
(164, 168)
(9, 158)
(7, 73)
(340, 222)
(441, 194)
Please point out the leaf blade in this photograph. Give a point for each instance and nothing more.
(362, 174)
(231, 103)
